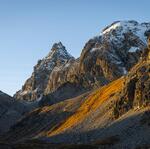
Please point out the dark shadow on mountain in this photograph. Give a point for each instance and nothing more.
(130, 133)
(130, 130)
(31, 126)
(66, 91)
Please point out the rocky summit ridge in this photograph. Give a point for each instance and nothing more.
(103, 59)
(36, 85)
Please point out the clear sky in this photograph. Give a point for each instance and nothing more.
(28, 29)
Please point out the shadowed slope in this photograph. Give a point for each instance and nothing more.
(51, 120)
(43, 119)
(93, 102)
(10, 111)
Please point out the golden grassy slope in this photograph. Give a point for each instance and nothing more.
(93, 102)
(52, 120)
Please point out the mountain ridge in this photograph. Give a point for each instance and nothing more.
(103, 59)
(72, 111)
(91, 119)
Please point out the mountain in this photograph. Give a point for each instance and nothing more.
(103, 59)
(136, 93)
(10, 111)
(113, 116)
(45, 69)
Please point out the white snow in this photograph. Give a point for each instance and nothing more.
(133, 49)
(94, 49)
(49, 62)
(112, 27)
(126, 26)
(124, 70)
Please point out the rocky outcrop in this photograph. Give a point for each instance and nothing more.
(104, 58)
(136, 92)
(118, 48)
(45, 69)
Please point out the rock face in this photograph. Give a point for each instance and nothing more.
(10, 111)
(136, 93)
(103, 59)
(114, 116)
(45, 69)
(115, 51)
(89, 118)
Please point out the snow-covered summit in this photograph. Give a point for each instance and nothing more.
(104, 58)
(56, 58)
(120, 44)
(119, 28)
(59, 49)
(57, 46)
(58, 54)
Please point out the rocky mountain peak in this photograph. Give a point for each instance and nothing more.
(131, 26)
(36, 84)
(58, 51)
(58, 54)
(57, 46)
(120, 43)
(104, 58)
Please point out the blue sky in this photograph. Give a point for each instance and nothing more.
(28, 29)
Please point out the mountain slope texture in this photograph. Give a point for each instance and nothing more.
(109, 117)
(103, 59)
(100, 100)
(10, 111)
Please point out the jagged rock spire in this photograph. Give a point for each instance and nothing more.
(57, 46)
(57, 50)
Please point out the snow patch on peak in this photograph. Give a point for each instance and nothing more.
(59, 50)
(94, 49)
(121, 24)
(111, 27)
(57, 46)
(57, 56)
(124, 71)
(121, 27)
(133, 49)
